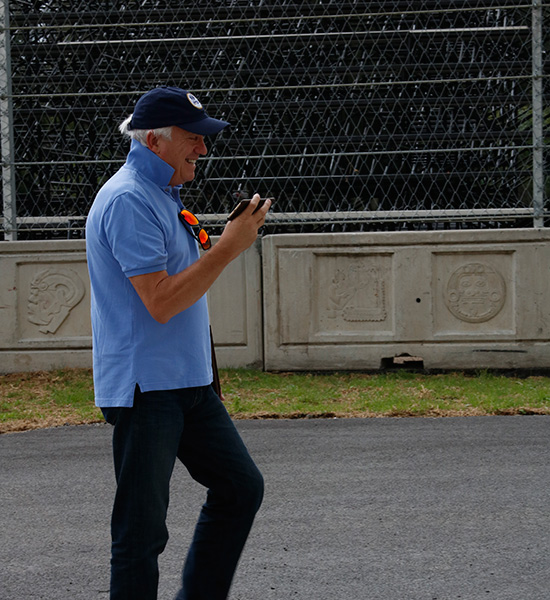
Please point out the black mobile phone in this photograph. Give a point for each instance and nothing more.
(242, 205)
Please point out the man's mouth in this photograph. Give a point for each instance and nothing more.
(191, 161)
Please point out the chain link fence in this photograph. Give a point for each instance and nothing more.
(352, 115)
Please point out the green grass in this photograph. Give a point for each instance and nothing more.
(251, 394)
(32, 400)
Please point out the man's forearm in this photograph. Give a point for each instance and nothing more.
(167, 295)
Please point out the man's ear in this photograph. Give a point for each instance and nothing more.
(153, 142)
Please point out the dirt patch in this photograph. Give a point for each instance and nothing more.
(53, 421)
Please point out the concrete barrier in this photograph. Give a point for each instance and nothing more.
(443, 300)
(359, 301)
(235, 306)
(45, 308)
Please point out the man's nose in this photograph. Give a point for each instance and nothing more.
(201, 148)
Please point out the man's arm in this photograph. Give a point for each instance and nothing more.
(166, 295)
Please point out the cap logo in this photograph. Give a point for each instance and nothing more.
(194, 101)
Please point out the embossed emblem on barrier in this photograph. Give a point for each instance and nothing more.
(357, 294)
(475, 293)
(54, 292)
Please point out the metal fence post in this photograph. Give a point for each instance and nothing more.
(6, 126)
(538, 122)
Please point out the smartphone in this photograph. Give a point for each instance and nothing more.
(242, 205)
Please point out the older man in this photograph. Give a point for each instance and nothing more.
(151, 348)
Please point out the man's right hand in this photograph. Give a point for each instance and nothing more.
(240, 233)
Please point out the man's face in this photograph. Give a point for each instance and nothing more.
(180, 152)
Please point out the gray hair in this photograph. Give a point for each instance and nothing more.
(141, 134)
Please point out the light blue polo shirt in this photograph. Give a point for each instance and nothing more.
(132, 229)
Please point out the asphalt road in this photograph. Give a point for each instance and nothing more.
(393, 509)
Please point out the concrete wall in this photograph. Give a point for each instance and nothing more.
(462, 299)
(235, 305)
(44, 306)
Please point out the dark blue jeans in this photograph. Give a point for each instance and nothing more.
(193, 426)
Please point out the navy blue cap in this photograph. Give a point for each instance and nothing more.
(167, 106)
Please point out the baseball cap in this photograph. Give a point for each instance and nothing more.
(167, 106)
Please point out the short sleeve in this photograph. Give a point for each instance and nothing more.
(135, 235)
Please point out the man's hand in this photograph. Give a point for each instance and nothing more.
(241, 232)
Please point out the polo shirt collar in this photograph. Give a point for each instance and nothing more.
(149, 165)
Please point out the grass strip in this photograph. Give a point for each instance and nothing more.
(65, 397)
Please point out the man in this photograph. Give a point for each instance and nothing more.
(152, 361)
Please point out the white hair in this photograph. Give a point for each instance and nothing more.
(141, 134)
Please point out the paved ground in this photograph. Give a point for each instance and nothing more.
(393, 509)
